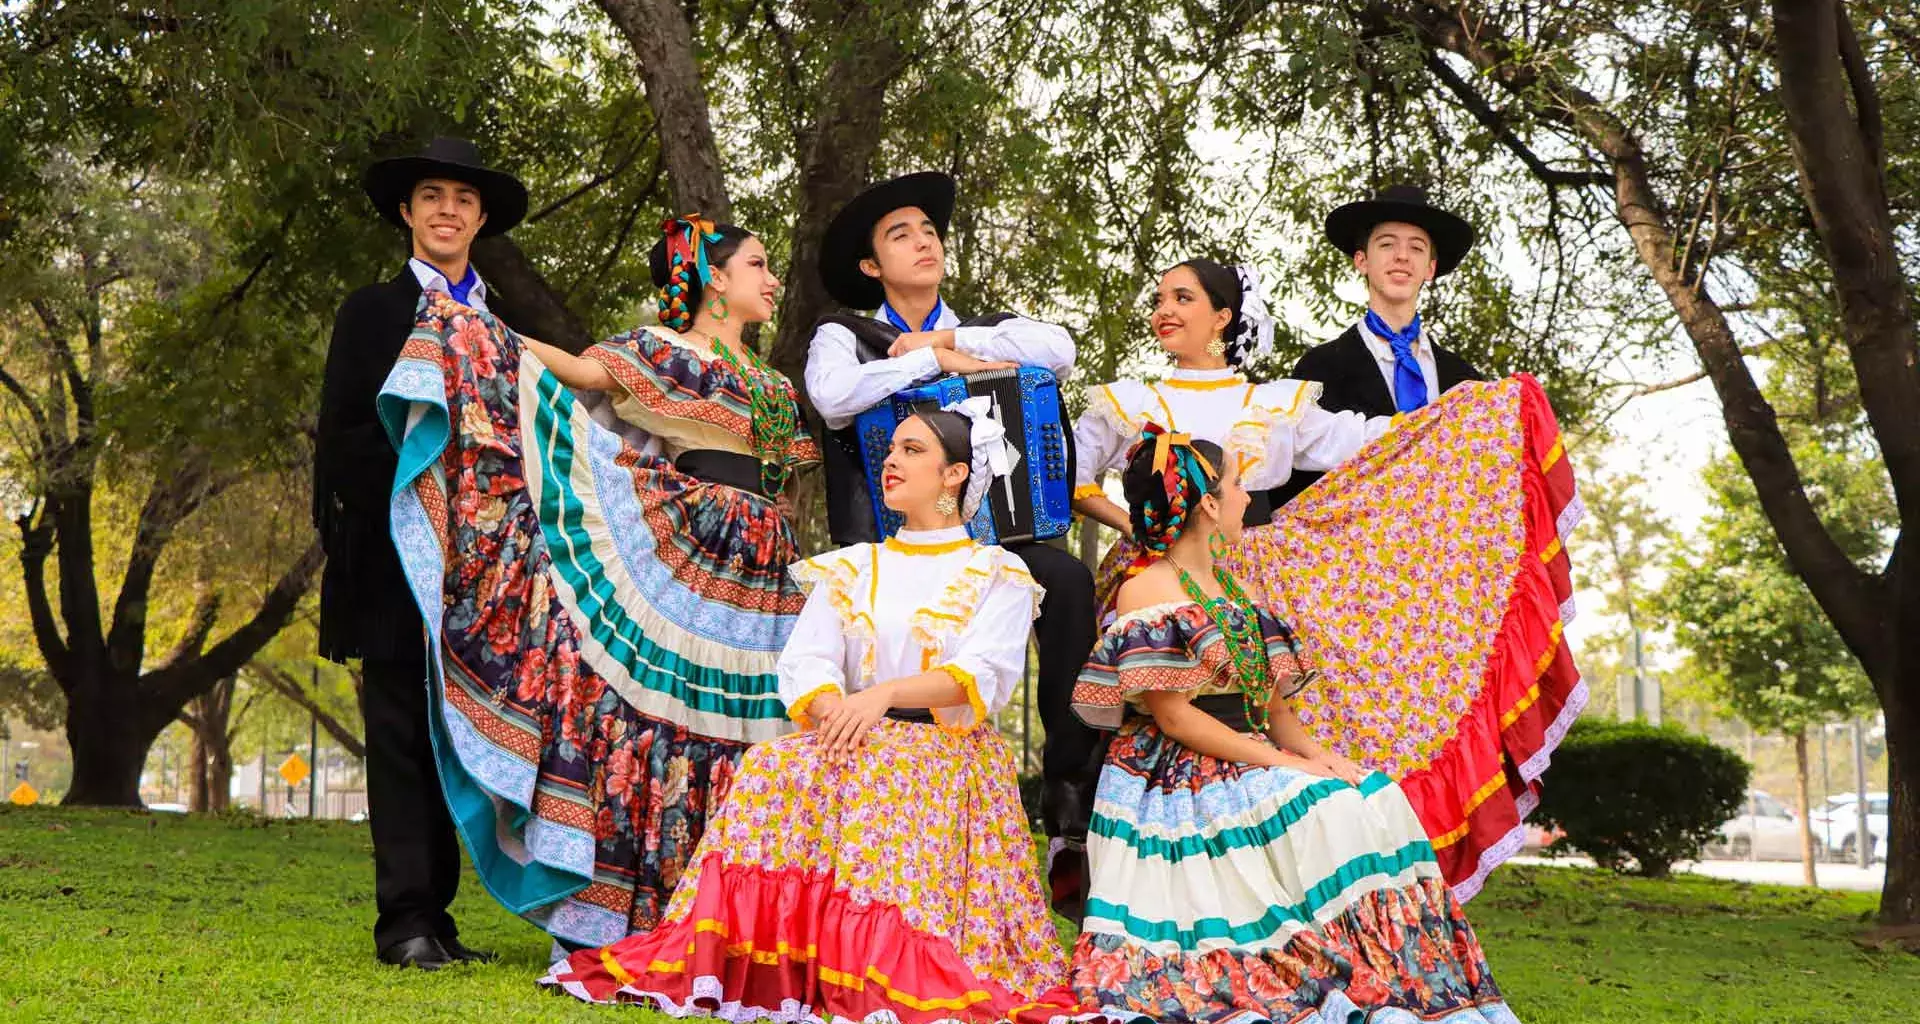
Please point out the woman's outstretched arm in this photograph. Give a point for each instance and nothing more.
(573, 371)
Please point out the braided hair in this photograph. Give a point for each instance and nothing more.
(682, 262)
(1164, 499)
(1222, 287)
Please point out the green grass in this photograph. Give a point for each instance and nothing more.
(127, 918)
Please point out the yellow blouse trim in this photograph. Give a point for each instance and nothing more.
(1205, 385)
(798, 712)
(904, 547)
(972, 688)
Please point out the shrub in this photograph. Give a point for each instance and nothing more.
(1649, 795)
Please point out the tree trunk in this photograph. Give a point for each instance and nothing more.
(518, 293)
(662, 44)
(836, 162)
(210, 717)
(109, 750)
(1900, 895)
(197, 755)
(220, 777)
(1804, 804)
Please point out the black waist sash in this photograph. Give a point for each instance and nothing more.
(1229, 709)
(717, 467)
(921, 715)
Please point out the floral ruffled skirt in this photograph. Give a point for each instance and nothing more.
(1229, 892)
(899, 887)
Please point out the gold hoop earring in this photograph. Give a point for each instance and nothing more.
(946, 505)
(1217, 545)
(718, 307)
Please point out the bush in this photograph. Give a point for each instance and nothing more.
(1649, 795)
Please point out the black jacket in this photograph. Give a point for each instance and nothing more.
(366, 610)
(1352, 382)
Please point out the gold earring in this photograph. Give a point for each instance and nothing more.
(946, 505)
(1217, 347)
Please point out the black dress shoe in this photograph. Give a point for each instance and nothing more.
(422, 951)
(466, 954)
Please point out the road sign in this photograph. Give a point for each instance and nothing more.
(24, 794)
(294, 769)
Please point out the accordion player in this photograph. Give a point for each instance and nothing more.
(1033, 503)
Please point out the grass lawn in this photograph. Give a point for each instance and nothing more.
(126, 918)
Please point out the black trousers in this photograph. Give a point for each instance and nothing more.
(416, 855)
(1064, 634)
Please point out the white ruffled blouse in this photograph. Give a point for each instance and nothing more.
(920, 601)
(1272, 428)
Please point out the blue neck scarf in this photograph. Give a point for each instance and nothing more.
(933, 316)
(1409, 384)
(459, 290)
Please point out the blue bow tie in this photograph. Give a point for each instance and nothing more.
(1409, 384)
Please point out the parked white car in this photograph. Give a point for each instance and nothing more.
(1765, 830)
(1837, 826)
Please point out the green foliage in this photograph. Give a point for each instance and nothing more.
(1641, 794)
(1751, 630)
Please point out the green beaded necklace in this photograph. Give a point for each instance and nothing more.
(775, 414)
(1245, 643)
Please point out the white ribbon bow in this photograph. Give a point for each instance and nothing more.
(1256, 321)
(993, 455)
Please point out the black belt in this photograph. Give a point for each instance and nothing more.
(717, 467)
(921, 715)
(1230, 709)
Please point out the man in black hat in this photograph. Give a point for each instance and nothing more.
(1385, 364)
(886, 251)
(445, 198)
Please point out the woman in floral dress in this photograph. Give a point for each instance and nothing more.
(877, 866)
(1242, 871)
(598, 548)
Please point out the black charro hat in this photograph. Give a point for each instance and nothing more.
(1349, 226)
(850, 236)
(390, 182)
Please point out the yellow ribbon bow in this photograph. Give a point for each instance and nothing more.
(1163, 446)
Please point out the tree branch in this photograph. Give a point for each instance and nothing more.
(206, 613)
(1492, 120)
(171, 498)
(20, 392)
(598, 179)
(1848, 595)
(284, 684)
(167, 689)
(1866, 97)
(36, 543)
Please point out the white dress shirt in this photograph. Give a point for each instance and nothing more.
(922, 600)
(842, 387)
(1271, 429)
(1382, 351)
(431, 279)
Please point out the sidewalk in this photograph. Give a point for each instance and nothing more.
(1767, 872)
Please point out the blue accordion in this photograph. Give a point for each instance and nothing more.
(1032, 504)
